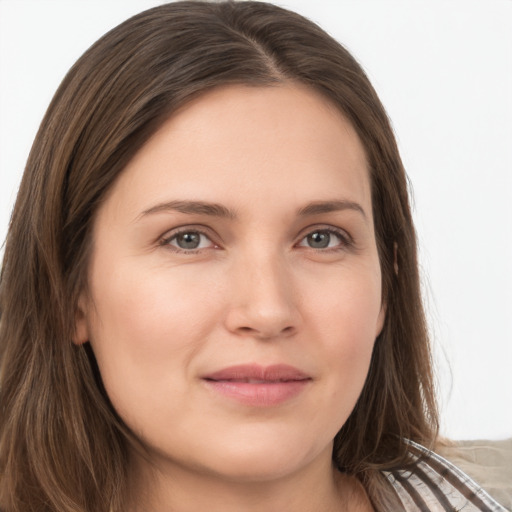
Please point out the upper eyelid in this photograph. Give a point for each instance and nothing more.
(198, 228)
(325, 227)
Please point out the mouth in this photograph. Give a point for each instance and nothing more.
(258, 386)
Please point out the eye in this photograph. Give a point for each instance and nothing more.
(325, 239)
(189, 240)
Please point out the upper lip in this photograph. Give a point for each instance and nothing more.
(258, 373)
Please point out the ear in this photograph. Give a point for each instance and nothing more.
(381, 319)
(382, 313)
(81, 334)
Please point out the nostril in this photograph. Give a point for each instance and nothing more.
(287, 331)
(266, 334)
(270, 333)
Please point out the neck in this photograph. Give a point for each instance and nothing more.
(168, 487)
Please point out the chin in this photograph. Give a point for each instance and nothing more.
(248, 469)
(264, 457)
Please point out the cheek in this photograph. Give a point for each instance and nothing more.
(347, 307)
(146, 306)
(346, 317)
(145, 328)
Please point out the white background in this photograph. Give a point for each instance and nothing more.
(443, 69)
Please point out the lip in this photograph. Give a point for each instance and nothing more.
(258, 386)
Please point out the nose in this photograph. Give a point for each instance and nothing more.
(262, 299)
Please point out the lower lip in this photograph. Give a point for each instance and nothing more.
(265, 394)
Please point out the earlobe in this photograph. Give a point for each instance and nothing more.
(81, 334)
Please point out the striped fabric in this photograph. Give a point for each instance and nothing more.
(432, 484)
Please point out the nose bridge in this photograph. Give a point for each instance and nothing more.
(263, 299)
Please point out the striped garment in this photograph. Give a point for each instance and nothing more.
(433, 484)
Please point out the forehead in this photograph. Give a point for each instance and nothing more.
(262, 143)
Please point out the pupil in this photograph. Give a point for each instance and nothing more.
(319, 239)
(188, 240)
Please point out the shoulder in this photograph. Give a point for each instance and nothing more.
(433, 483)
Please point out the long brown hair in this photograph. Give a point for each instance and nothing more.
(62, 446)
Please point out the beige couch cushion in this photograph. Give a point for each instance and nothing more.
(488, 463)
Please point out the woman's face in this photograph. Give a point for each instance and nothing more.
(234, 285)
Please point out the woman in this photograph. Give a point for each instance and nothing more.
(218, 304)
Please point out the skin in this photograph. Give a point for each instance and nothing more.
(256, 290)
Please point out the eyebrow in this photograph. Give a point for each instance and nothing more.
(191, 207)
(219, 210)
(319, 207)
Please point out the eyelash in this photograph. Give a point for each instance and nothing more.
(166, 240)
(346, 241)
